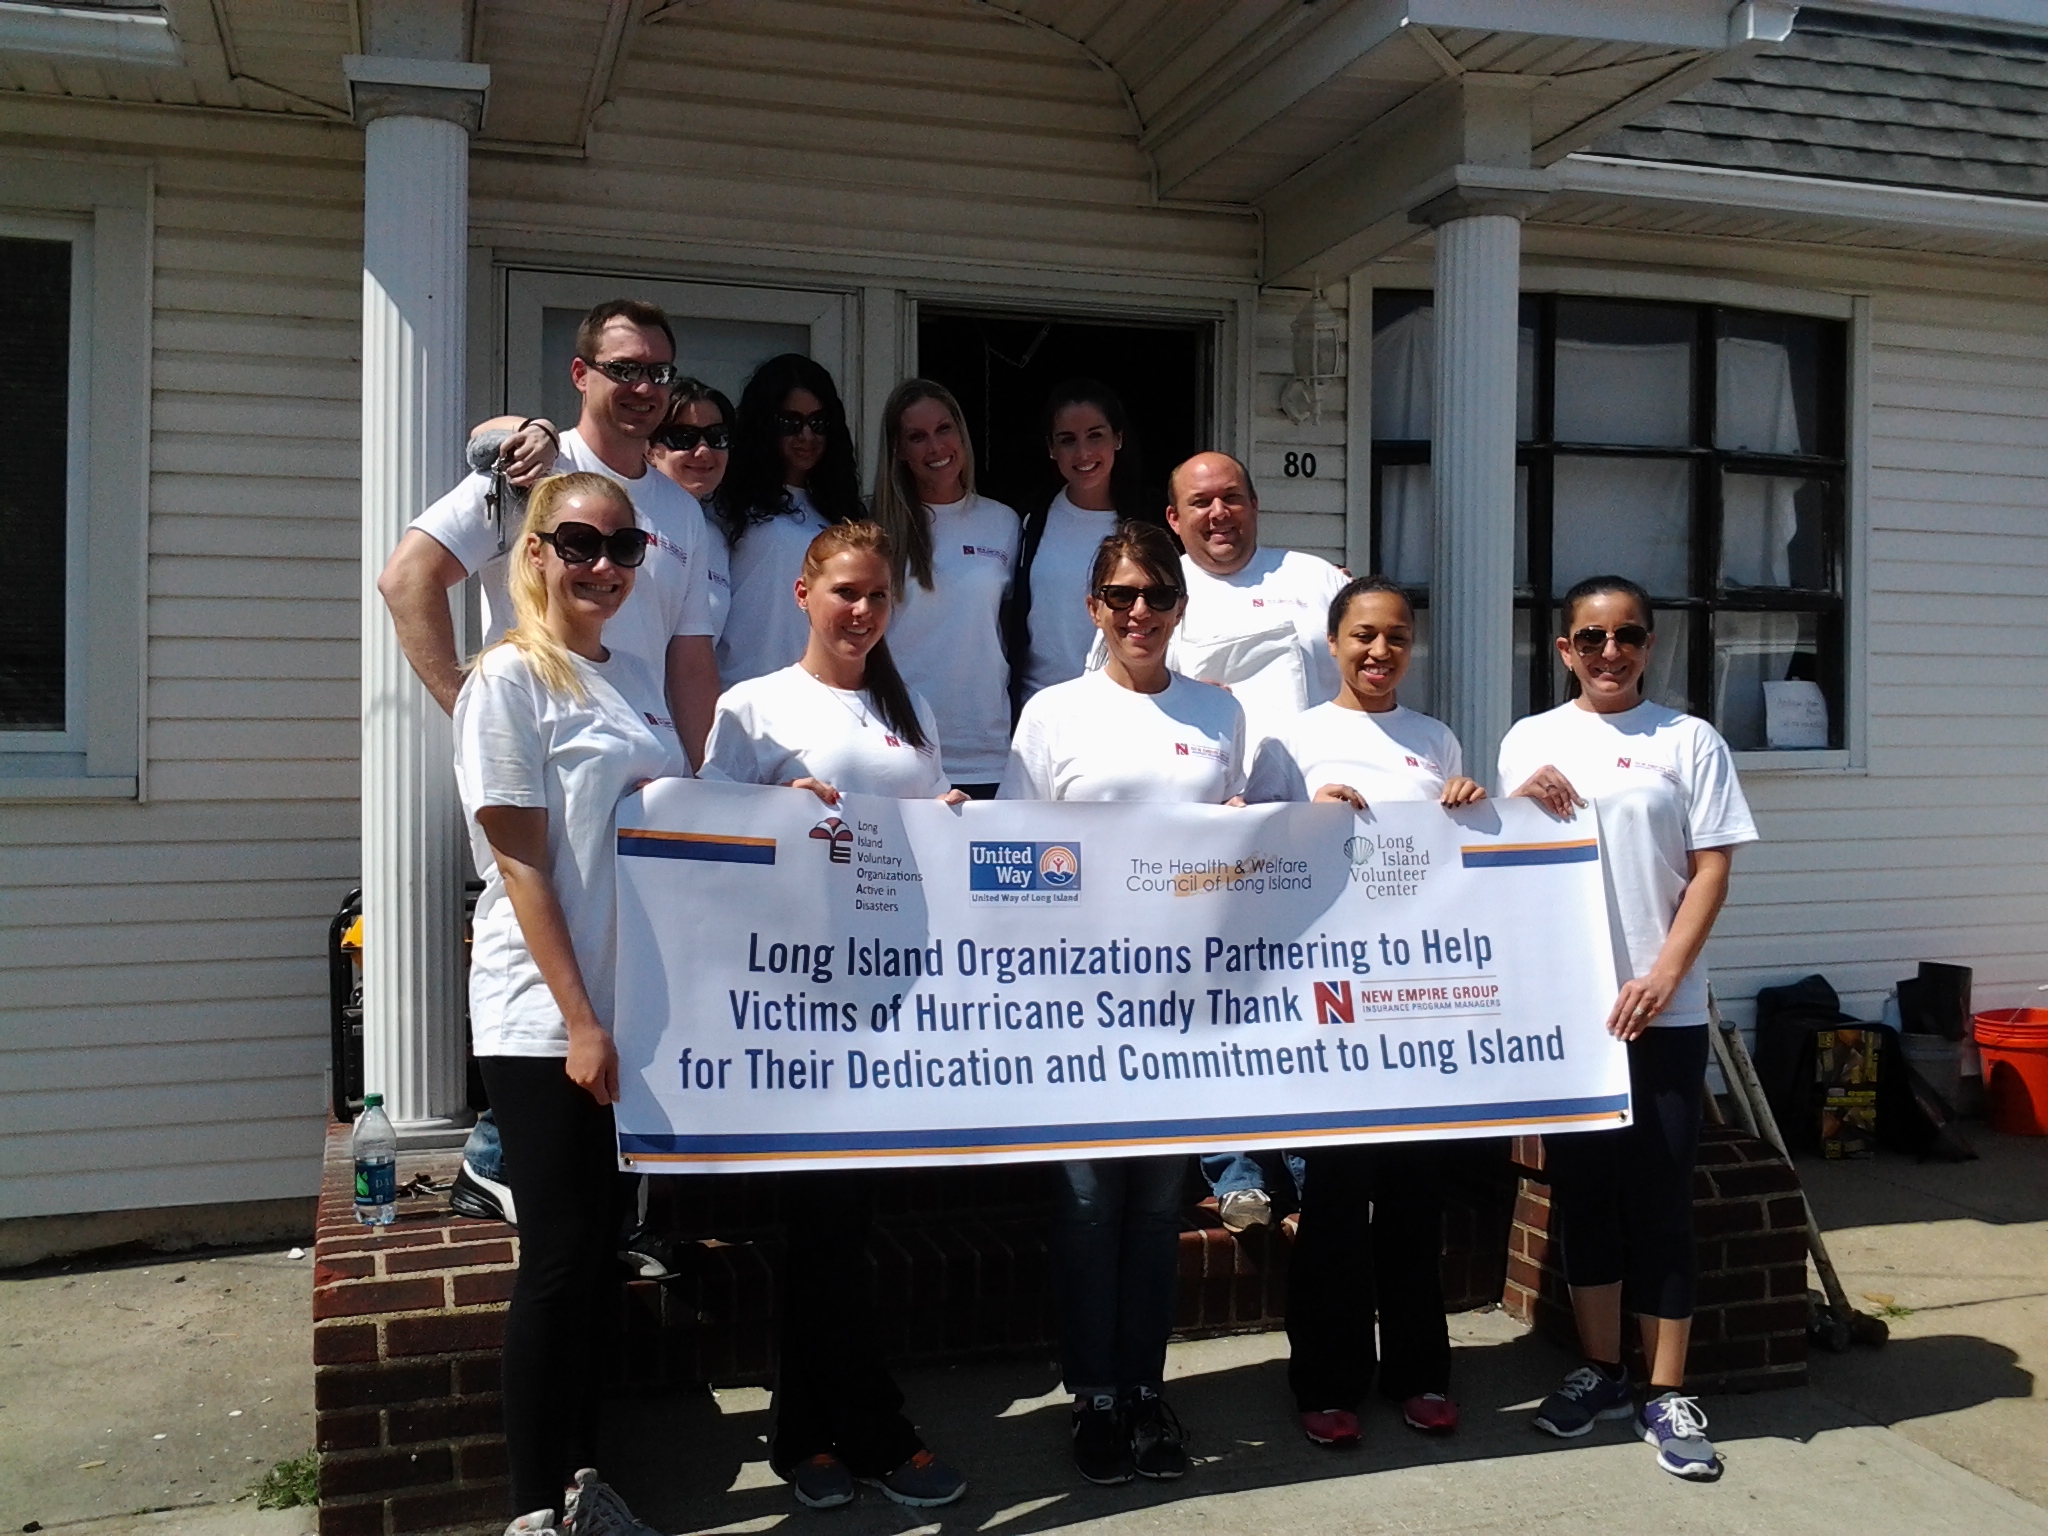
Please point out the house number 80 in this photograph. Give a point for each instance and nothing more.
(1299, 466)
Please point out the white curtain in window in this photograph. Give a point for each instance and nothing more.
(1759, 513)
(1626, 395)
(1753, 649)
(1628, 517)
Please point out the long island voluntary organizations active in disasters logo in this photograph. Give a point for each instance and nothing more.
(1025, 872)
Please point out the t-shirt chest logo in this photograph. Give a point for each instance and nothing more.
(891, 740)
(1636, 764)
(1426, 764)
(1198, 749)
(984, 551)
(656, 721)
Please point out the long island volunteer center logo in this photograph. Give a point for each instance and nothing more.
(1034, 872)
(1385, 865)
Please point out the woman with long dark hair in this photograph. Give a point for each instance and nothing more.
(791, 473)
(954, 552)
(1088, 438)
(840, 720)
(1670, 813)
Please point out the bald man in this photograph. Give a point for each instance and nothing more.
(1257, 619)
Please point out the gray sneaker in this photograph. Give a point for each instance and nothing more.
(1586, 1397)
(595, 1510)
(1674, 1424)
(537, 1522)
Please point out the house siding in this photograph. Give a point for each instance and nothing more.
(162, 975)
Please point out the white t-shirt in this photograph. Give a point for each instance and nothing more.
(1661, 784)
(1395, 755)
(518, 744)
(1264, 632)
(948, 642)
(766, 631)
(1062, 633)
(671, 592)
(789, 725)
(1091, 739)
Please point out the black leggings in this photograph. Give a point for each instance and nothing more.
(561, 1159)
(1623, 1198)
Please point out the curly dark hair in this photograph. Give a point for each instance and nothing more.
(752, 491)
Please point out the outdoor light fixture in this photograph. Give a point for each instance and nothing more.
(1318, 359)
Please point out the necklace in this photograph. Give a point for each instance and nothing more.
(860, 714)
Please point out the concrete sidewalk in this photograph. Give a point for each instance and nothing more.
(1945, 1430)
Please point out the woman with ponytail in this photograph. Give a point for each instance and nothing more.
(551, 729)
(954, 551)
(839, 721)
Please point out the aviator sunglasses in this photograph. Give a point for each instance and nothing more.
(1592, 640)
(581, 544)
(789, 423)
(1160, 599)
(684, 439)
(660, 375)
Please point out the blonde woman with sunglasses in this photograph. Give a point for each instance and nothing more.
(552, 728)
(1660, 788)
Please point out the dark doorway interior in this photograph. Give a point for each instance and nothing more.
(1002, 367)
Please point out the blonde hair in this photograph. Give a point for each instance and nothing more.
(546, 657)
(897, 506)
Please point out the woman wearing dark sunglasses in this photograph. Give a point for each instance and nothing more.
(955, 550)
(1670, 812)
(552, 727)
(791, 474)
(1132, 731)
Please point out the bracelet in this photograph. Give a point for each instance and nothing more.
(553, 436)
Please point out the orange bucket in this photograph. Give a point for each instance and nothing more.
(2014, 1045)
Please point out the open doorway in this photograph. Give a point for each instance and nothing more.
(1002, 366)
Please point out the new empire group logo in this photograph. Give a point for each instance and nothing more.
(1024, 868)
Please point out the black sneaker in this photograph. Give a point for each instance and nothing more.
(1102, 1450)
(483, 1199)
(649, 1256)
(1159, 1446)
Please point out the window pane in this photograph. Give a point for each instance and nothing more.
(1523, 651)
(1755, 649)
(1768, 376)
(35, 353)
(1404, 368)
(1416, 691)
(1626, 517)
(1624, 374)
(1408, 524)
(1773, 532)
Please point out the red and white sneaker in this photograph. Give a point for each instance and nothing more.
(1431, 1412)
(1334, 1427)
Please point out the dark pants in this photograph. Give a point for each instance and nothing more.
(1116, 1245)
(1349, 1266)
(1623, 1198)
(561, 1160)
(833, 1391)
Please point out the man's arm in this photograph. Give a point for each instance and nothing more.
(692, 691)
(414, 585)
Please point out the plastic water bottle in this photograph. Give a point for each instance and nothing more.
(375, 1149)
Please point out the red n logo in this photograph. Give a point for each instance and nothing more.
(1333, 1002)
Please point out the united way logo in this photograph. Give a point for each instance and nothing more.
(1024, 867)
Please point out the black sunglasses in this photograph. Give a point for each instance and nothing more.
(1592, 640)
(1160, 599)
(789, 423)
(660, 375)
(685, 439)
(581, 544)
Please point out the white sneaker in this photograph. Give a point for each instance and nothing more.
(539, 1522)
(593, 1509)
(1243, 1208)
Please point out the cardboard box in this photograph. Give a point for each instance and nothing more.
(1846, 1058)
(1848, 1123)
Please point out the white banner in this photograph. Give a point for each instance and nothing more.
(895, 983)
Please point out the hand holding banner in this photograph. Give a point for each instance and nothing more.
(897, 983)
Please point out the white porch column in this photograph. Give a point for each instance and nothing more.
(1472, 471)
(417, 117)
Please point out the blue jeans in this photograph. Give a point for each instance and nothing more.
(1228, 1172)
(1116, 1248)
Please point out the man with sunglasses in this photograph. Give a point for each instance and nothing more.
(624, 370)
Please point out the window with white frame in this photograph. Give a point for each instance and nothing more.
(1699, 449)
(74, 337)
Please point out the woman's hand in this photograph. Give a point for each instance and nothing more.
(821, 789)
(529, 454)
(1462, 791)
(1236, 800)
(593, 1063)
(1553, 791)
(1338, 794)
(1639, 1003)
(954, 797)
